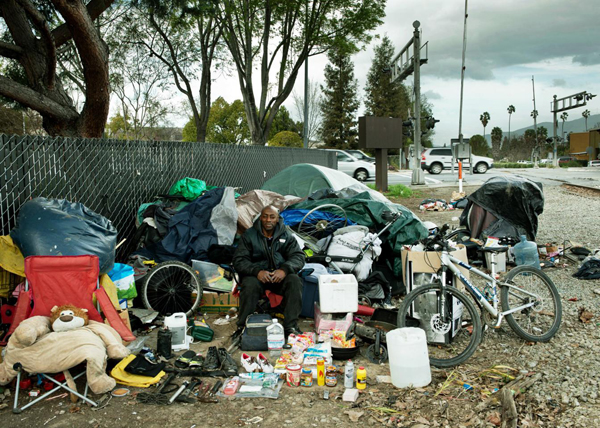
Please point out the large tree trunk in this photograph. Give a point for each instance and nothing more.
(35, 49)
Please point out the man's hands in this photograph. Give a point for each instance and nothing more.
(267, 277)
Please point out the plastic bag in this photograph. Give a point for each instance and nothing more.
(122, 276)
(57, 227)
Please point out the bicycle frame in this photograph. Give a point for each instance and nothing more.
(450, 262)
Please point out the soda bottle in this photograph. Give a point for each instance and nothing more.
(320, 372)
(349, 375)
(361, 378)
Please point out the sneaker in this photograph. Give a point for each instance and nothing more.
(228, 365)
(237, 333)
(264, 363)
(292, 330)
(211, 362)
(249, 363)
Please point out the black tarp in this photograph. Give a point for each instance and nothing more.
(516, 202)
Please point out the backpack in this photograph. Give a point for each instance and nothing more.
(254, 337)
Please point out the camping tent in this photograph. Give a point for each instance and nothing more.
(304, 179)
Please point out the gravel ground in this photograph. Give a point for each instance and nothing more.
(561, 377)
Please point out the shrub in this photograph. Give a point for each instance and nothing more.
(396, 191)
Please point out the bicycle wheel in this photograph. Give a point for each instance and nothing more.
(459, 319)
(172, 287)
(322, 221)
(538, 323)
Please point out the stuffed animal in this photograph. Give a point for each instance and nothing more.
(40, 350)
(68, 317)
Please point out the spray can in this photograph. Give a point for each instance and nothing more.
(320, 372)
(361, 378)
(349, 375)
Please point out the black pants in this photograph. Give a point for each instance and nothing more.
(290, 288)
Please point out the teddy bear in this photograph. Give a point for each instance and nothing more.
(41, 350)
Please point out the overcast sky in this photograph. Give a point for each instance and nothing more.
(508, 42)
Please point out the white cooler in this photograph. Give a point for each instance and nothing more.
(338, 293)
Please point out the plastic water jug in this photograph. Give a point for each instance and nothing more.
(275, 338)
(177, 324)
(408, 356)
(526, 253)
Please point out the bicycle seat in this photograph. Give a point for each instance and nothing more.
(497, 250)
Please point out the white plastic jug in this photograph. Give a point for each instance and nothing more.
(275, 338)
(177, 324)
(408, 356)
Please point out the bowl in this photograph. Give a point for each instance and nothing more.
(344, 353)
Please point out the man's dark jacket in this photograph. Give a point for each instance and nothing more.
(253, 253)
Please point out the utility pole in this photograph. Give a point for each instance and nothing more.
(534, 113)
(462, 84)
(417, 174)
(306, 94)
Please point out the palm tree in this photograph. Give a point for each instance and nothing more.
(586, 114)
(511, 110)
(563, 117)
(484, 118)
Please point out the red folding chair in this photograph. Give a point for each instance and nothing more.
(60, 280)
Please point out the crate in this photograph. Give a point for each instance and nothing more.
(338, 293)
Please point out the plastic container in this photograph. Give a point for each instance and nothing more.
(232, 386)
(349, 375)
(293, 375)
(177, 324)
(275, 338)
(338, 293)
(361, 378)
(526, 253)
(408, 357)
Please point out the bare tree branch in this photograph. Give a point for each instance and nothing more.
(62, 34)
(8, 50)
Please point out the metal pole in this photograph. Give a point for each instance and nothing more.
(417, 174)
(462, 85)
(555, 138)
(306, 95)
(535, 147)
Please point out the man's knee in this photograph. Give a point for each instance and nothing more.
(293, 282)
(250, 285)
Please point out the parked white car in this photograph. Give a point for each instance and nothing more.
(594, 163)
(358, 169)
(435, 160)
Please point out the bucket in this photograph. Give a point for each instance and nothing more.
(177, 324)
(408, 356)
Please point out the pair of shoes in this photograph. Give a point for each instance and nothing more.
(228, 365)
(211, 362)
(249, 363)
(264, 363)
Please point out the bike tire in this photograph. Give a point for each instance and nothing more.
(172, 287)
(466, 340)
(541, 322)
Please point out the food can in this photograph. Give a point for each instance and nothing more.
(293, 375)
(306, 378)
(331, 376)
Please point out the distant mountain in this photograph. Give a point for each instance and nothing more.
(576, 125)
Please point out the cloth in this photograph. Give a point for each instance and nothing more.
(589, 269)
(119, 374)
(252, 290)
(40, 350)
(250, 204)
(11, 258)
(350, 245)
(253, 255)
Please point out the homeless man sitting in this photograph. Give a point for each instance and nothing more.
(268, 258)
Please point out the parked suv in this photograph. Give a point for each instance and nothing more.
(358, 169)
(360, 155)
(435, 160)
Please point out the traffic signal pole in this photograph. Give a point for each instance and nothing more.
(417, 173)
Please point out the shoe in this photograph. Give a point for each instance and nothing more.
(211, 362)
(237, 333)
(197, 362)
(249, 363)
(264, 363)
(292, 330)
(228, 365)
(184, 359)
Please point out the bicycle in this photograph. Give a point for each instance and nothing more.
(529, 299)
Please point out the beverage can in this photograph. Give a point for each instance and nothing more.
(293, 375)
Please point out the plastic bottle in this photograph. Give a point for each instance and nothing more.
(349, 375)
(361, 378)
(320, 372)
(526, 253)
(232, 386)
(275, 338)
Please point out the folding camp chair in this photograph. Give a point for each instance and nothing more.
(59, 280)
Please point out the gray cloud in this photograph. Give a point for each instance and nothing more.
(431, 95)
(510, 34)
(559, 83)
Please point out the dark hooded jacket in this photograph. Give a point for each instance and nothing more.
(253, 253)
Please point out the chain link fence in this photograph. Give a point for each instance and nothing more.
(114, 177)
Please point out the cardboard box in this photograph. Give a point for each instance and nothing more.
(428, 262)
(218, 302)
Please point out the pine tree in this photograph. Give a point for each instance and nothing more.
(385, 98)
(340, 101)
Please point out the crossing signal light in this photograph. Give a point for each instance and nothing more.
(430, 122)
(406, 127)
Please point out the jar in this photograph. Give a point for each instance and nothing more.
(331, 376)
(293, 375)
(306, 377)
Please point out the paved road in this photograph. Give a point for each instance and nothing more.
(547, 176)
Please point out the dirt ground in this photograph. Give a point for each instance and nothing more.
(451, 400)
